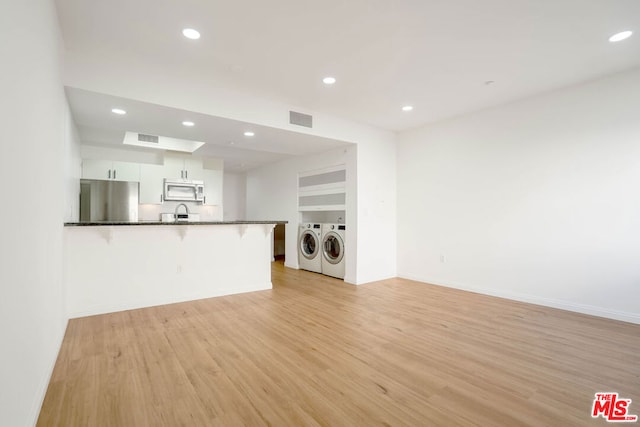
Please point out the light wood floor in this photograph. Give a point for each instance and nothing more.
(317, 352)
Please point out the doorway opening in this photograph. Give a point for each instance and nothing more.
(278, 242)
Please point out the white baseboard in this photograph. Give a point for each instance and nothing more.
(132, 305)
(44, 385)
(361, 281)
(533, 299)
(350, 280)
(291, 265)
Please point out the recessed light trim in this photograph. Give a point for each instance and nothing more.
(623, 35)
(329, 80)
(188, 123)
(407, 108)
(249, 133)
(118, 111)
(190, 33)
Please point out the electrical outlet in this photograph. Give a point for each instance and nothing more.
(179, 269)
(443, 258)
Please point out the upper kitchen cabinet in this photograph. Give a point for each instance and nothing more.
(208, 170)
(109, 170)
(151, 184)
(181, 167)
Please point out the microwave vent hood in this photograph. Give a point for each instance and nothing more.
(184, 190)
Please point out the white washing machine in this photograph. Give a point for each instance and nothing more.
(309, 239)
(333, 237)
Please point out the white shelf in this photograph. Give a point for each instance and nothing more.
(322, 171)
(321, 208)
(323, 189)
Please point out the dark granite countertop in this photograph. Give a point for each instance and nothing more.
(117, 223)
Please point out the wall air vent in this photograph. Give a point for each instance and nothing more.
(147, 138)
(300, 119)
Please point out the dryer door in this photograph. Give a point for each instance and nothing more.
(309, 244)
(333, 247)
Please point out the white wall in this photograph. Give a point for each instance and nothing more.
(234, 195)
(370, 217)
(72, 168)
(148, 212)
(141, 266)
(133, 155)
(272, 193)
(536, 201)
(376, 187)
(36, 161)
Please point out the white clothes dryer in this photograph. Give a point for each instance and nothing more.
(309, 239)
(333, 237)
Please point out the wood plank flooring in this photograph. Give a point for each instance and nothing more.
(317, 352)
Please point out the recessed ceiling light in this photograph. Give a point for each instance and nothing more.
(190, 33)
(188, 124)
(620, 36)
(119, 111)
(329, 80)
(249, 133)
(489, 82)
(407, 108)
(232, 143)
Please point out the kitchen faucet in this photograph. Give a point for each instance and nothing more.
(175, 213)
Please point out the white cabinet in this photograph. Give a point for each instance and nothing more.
(152, 176)
(151, 184)
(109, 170)
(152, 179)
(178, 167)
(212, 187)
(323, 190)
(96, 169)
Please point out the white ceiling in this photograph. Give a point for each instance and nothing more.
(224, 138)
(433, 54)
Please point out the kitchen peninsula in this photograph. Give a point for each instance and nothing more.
(114, 266)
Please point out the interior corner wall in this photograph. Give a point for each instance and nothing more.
(534, 201)
(32, 164)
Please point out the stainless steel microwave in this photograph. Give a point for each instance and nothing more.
(184, 190)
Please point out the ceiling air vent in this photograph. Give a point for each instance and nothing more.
(147, 138)
(300, 119)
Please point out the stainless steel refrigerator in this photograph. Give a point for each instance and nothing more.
(108, 201)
